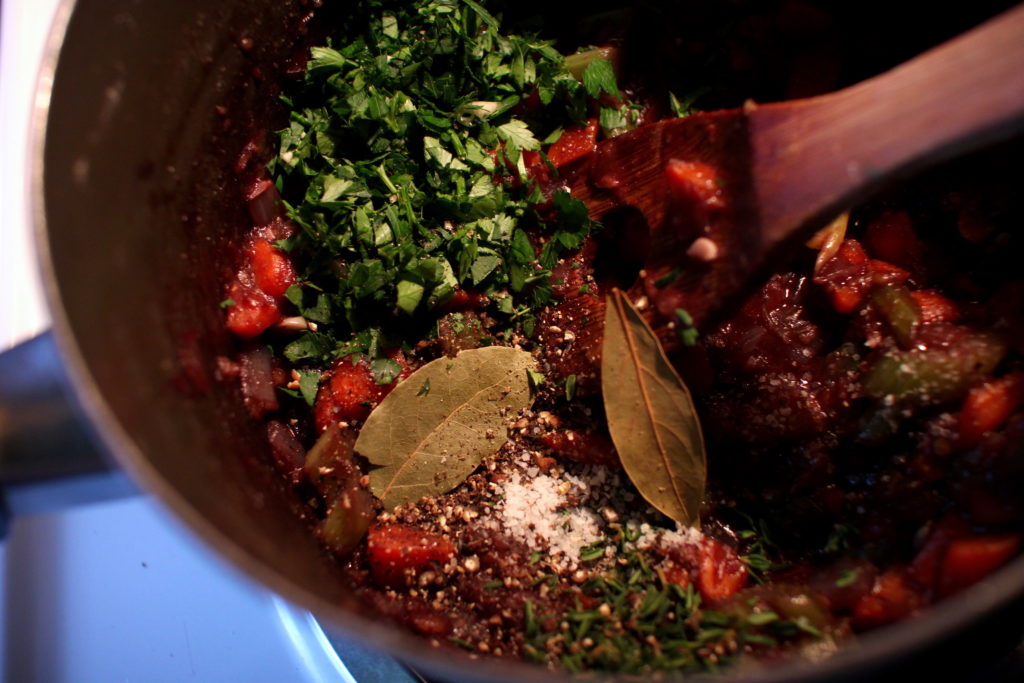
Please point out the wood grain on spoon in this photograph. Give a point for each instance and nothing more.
(782, 170)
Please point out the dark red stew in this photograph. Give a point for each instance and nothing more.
(862, 411)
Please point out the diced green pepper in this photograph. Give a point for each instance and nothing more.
(899, 310)
(936, 374)
(324, 460)
(347, 520)
(578, 63)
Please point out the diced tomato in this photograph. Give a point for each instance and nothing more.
(721, 573)
(883, 272)
(935, 308)
(272, 270)
(968, 560)
(532, 102)
(347, 394)
(988, 406)
(348, 391)
(891, 237)
(846, 299)
(464, 300)
(695, 181)
(892, 598)
(582, 447)
(575, 143)
(924, 569)
(396, 552)
(845, 277)
(852, 253)
(253, 311)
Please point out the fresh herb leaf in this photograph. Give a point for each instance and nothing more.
(599, 78)
(314, 346)
(385, 370)
(309, 381)
(518, 135)
(570, 387)
(668, 278)
(847, 578)
(291, 392)
(687, 332)
(410, 293)
(840, 539)
(684, 107)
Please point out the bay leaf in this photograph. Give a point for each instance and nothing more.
(427, 442)
(651, 415)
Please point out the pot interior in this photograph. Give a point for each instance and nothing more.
(150, 108)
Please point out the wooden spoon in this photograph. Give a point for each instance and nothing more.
(736, 189)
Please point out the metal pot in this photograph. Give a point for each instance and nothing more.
(142, 111)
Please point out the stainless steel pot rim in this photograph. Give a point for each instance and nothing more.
(871, 652)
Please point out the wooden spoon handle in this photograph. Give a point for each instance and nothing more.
(817, 156)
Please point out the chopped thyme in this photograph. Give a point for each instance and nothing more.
(687, 332)
(464, 644)
(638, 623)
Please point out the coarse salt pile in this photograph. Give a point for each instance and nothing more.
(649, 536)
(535, 510)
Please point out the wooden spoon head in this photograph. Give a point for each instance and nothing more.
(690, 178)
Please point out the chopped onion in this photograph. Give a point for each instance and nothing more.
(289, 455)
(347, 520)
(264, 202)
(257, 381)
(295, 323)
(828, 239)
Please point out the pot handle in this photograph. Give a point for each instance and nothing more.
(49, 457)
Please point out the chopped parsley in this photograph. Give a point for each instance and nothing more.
(403, 167)
(687, 332)
(570, 387)
(309, 380)
(847, 578)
